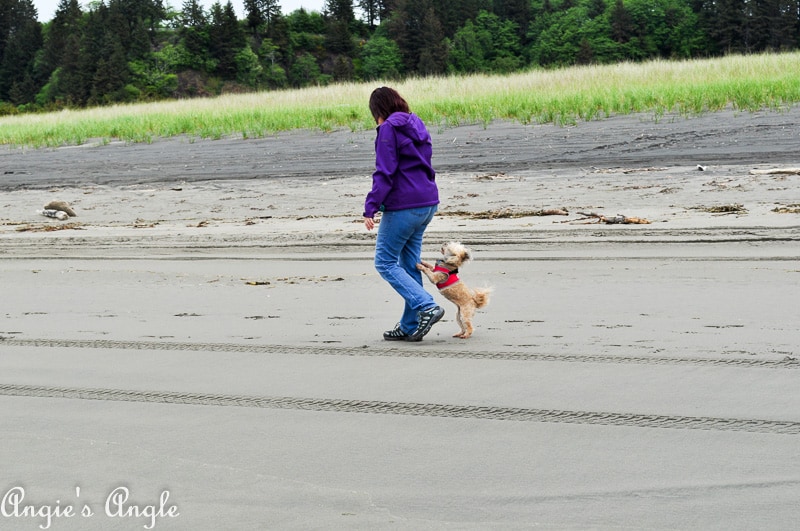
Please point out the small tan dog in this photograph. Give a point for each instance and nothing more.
(445, 275)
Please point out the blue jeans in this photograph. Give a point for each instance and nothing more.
(398, 249)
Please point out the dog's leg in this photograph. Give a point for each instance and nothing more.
(460, 321)
(465, 315)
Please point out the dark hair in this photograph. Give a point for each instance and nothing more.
(384, 101)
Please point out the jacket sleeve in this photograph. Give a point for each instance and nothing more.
(386, 163)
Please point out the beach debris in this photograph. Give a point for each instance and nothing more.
(722, 185)
(627, 170)
(787, 209)
(61, 206)
(315, 280)
(497, 176)
(701, 168)
(618, 219)
(777, 171)
(51, 213)
(506, 213)
(140, 223)
(49, 228)
(734, 208)
(258, 282)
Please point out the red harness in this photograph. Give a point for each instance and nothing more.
(452, 276)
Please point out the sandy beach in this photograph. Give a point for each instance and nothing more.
(209, 326)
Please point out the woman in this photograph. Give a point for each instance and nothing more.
(404, 189)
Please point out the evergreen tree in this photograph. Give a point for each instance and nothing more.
(780, 23)
(453, 14)
(278, 32)
(254, 17)
(433, 58)
(705, 11)
(595, 8)
(94, 48)
(419, 35)
(340, 10)
(371, 11)
(271, 10)
(386, 8)
(264, 19)
(621, 24)
(194, 36)
(137, 24)
(20, 40)
(193, 15)
(339, 36)
(226, 38)
(728, 26)
(517, 11)
(70, 84)
(23, 91)
(66, 23)
(678, 36)
(112, 73)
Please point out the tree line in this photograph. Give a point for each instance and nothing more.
(140, 50)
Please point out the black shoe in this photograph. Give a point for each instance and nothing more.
(427, 319)
(395, 334)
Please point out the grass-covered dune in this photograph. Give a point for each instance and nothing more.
(561, 96)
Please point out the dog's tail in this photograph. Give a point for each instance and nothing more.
(481, 297)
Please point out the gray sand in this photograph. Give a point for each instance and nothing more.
(208, 330)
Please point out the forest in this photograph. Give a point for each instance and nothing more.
(125, 51)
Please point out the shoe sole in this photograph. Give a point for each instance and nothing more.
(419, 335)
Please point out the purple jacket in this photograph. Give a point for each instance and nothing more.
(403, 177)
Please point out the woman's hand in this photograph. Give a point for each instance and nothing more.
(369, 223)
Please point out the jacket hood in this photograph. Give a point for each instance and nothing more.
(410, 125)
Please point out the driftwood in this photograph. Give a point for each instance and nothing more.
(619, 218)
(777, 171)
(627, 170)
(505, 213)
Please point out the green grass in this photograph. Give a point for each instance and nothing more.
(564, 96)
